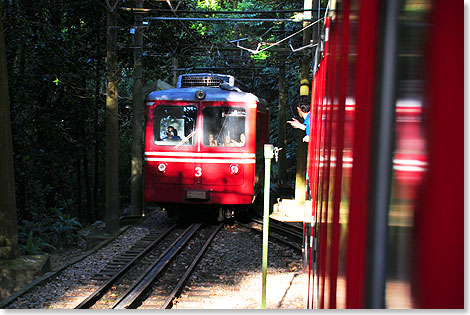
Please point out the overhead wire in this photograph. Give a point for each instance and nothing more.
(174, 11)
(257, 50)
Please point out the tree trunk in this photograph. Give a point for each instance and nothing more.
(78, 190)
(137, 100)
(176, 64)
(8, 228)
(96, 174)
(97, 141)
(282, 120)
(86, 176)
(282, 114)
(112, 128)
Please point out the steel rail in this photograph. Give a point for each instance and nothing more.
(179, 286)
(279, 239)
(285, 225)
(132, 297)
(283, 229)
(95, 296)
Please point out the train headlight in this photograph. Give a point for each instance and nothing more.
(161, 167)
(200, 95)
(234, 169)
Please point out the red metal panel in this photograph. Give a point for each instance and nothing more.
(438, 252)
(440, 215)
(322, 232)
(219, 174)
(339, 120)
(314, 162)
(357, 220)
(326, 161)
(176, 173)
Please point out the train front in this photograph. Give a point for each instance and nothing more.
(200, 144)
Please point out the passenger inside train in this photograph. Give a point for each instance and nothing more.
(171, 134)
(227, 141)
(212, 140)
(241, 142)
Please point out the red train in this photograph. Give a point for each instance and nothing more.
(203, 142)
(387, 221)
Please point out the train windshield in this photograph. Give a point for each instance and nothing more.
(175, 125)
(224, 126)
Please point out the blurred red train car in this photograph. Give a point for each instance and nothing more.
(387, 221)
(203, 142)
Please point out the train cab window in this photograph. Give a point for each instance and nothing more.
(175, 125)
(224, 126)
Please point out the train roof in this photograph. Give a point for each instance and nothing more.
(211, 94)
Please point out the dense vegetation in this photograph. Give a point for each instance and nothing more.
(56, 67)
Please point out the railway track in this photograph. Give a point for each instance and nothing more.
(225, 277)
(151, 274)
(285, 233)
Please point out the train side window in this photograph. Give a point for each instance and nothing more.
(175, 125)
(224, 126)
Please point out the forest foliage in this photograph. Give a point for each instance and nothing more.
(56, 53)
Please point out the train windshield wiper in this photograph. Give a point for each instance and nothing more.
(184, 140)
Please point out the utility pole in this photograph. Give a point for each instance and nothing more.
(137, 101)
(8, 225)
(112, 128)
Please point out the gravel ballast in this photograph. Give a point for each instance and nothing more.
(229, 274)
